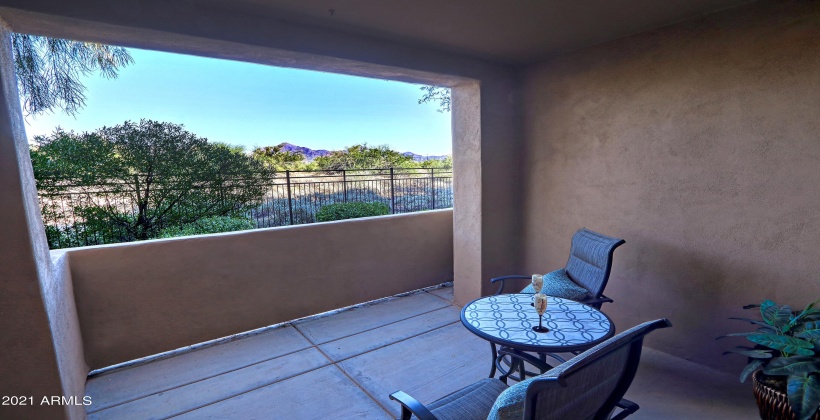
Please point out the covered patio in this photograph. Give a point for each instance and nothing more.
(344, 365)
(688, 127)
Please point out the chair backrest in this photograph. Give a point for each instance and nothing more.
(589, 385)
(590, 260)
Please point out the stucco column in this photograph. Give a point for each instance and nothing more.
(487, 165)
(40, 346)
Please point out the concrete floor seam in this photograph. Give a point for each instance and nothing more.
(352, 380)
(251, 390)
(370, 329)
(203, 379)
(440, 297)
(393, 343)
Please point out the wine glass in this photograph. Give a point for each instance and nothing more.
(540, 307)
(537, 282)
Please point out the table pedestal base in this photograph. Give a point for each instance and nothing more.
(509, 361)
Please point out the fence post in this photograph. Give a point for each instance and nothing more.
(290, 200)
(433, 187)
(344, 183)
(392, 194)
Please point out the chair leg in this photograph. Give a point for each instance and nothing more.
(406, 414)
(627, 407)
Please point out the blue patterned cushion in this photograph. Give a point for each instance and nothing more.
(510, 404)
(557, 283)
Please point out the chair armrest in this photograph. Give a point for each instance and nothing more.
(410, 406)
(628, 407)
(597, 302)
(503, 278)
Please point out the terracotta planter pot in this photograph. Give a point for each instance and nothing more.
(773, 404)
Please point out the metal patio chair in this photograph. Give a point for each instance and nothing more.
(589, 386)
(588, 266)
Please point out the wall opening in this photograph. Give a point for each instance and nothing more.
(179, 145)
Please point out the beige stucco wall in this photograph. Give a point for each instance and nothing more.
(699, 144)
(138, 299)
(40, 347)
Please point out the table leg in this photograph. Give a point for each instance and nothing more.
(495, 355)
(543, 358)
(506, 374)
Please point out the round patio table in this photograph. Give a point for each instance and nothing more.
(507, 321)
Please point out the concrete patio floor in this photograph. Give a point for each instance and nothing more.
(345, 365)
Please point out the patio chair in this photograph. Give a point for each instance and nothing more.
(584, 278)
(589, 265)
(589, 386)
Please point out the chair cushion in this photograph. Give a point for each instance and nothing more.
(510, 404)
(558, 284)
(471, 402)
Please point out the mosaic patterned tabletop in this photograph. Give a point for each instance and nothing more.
(508, 319)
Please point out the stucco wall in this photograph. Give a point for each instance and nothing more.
(40, 348)
(140, 299)
(699, 144)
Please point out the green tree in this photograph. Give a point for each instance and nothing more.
(282, 160)
(436, 94)
(446, 163)
(136, 179)
(49, 70)
(361, 156)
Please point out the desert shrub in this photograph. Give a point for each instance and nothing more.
(207, 225)
(275, 211)
(93, 227)
(63, 236)
(351, 210)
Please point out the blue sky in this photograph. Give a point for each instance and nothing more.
(255, 105)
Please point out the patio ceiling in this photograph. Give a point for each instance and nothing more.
(514, 32)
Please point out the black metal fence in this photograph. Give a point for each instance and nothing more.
(290, 198)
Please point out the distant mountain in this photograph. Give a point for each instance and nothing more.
(311, 154)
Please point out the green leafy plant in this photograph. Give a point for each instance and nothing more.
(351, 210)
(217, 224)
(787, 351)
(436, 94)
(50, 70)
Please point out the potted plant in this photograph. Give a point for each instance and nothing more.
(784, 361)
